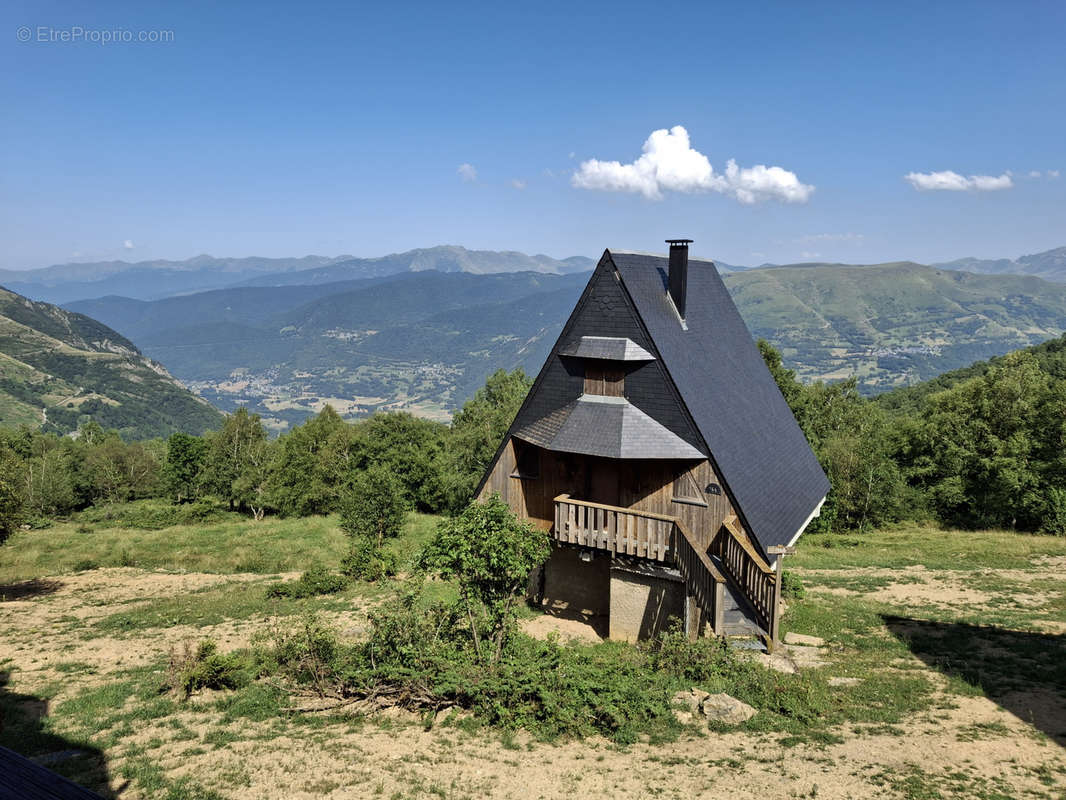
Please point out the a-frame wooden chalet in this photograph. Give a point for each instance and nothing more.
(659, 452)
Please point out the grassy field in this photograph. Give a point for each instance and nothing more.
(954, 643)
(233, 544)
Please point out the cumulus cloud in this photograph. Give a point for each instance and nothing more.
(128, 244)
(669, 163)
(468, 172)
(948, 181)
(1035, 173)
(518, 183)
(1053, 173)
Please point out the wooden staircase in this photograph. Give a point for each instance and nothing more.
(734, 587)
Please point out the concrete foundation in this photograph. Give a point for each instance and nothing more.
(644, 603)
(637, 599)
(575, 586)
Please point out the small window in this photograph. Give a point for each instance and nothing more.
(527, 462)
(604, 379)
(686, 490)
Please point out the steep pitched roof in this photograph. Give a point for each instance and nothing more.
(756, 444)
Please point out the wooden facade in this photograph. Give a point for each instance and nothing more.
(646, 486)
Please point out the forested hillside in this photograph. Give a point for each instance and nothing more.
(59, 369)
(422, 342)
(979, 447)
(894, 324)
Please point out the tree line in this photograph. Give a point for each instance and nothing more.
(315, 468)
(982, 447)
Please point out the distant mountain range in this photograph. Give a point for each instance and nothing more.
(1049, 265)
(421, 330)
(59, 368)
(153, 280)
(425, 341)
(420, 341)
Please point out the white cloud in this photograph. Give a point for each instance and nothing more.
(518, 183)
(1035, 173)
(831, 237)
(808, 254)
(468, 172)
(948, 181)
(669, 163)
(128, 244)
(1053, 173)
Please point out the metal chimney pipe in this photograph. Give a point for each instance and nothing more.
(679, 272)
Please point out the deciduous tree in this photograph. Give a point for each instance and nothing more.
(490, 553)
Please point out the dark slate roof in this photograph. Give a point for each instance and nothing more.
(754, 440)
(608, 348)
(610, 427)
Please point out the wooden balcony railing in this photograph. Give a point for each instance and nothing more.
(619, 530)
(755, 578)
(660, 537)
(640, 533)
(703, 580)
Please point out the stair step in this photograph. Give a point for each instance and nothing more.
(746, 643)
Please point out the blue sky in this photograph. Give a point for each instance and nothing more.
(287, 129)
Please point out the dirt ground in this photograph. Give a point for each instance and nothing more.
(916, 585)
(970, 747)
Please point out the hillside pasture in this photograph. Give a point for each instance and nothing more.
(954, 644)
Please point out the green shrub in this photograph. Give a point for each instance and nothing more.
(316, 581)
(367, 561)
(1055, 516)
(151, 515)
(791, 586)
(12, 502)
(489, 553)
(374, 507)
(206, 668)
(312, 654)
(699, 660)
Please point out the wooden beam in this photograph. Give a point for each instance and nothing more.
(780, 550)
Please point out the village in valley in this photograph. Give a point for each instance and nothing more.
(463, 523)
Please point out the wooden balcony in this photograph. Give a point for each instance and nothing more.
(625, 531)
(619, 530)
(666, 539)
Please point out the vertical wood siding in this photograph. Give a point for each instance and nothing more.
(642, 485)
